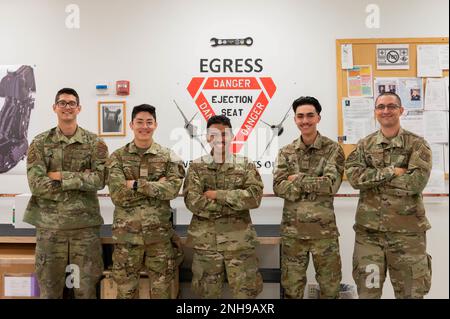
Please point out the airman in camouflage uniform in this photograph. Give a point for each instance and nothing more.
(308, 173)
(390, 167)
(65, 168)
(143, 177)
(219, 190)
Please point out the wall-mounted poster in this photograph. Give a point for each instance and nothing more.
(359, 81)
(17, 89)
(383, 85)
(111, 118)
(358, 119)
(411, 92)
(393, 57)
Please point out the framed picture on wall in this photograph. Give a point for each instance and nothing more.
(111, 118)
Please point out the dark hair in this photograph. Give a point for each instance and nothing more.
(389, 94)
(143, 108)
(303, 100)
(69, 91)
(218, 119)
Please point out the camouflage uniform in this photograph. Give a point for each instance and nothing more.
(308, 224)
(142, 227)
(66, 213)
(390, 219)
(221, 230)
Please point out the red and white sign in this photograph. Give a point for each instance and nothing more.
(264, 85)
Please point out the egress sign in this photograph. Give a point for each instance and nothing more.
(243, 99)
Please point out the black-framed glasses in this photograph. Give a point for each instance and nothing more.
(62, 104)
(389, 107)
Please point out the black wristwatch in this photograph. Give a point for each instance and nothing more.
(135, 185)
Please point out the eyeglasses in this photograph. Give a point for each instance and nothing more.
(62, 104)
(389, 107)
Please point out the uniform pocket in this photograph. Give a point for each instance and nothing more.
(161, 265)
(52, 159)
(40, 262)
(80, 164)
(421, 274)
(197, 276)
(421, 268)
(409, 207)
(238, 180)
(178, 249)
(208, 179)
(156, 169)
(400, 157)
(430, 273)
(376, 158)
(131, 170)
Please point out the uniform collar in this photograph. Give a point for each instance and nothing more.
(317, 143)
(153, 149)
(396, 141)
(78, 137)
(230, 160)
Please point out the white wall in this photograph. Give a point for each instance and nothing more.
(157, 46)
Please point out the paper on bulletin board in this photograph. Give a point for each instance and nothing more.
(392, 56)
(413, 121)
(436, 126)
(443, 56)
(382, 85)
(437, 151)
(359, 81)
(358, 119)
(347, 56)
(436, 94)
(410, 91)
(447, 92)
(428, 64)
(436, 182)
(446, 158)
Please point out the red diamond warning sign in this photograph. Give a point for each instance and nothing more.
(247, 106)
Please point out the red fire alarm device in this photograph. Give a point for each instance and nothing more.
(123, 87)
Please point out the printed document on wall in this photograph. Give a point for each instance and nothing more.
(413, 121)
(443, 56)
(358, 118)
(382, 85)
(436, 126)
(436, 94)
(447, 92)
(446, 158)
(359, 81)
(436, 182)
(347, 56)
(411, 92)
(428, 64)
(393, 57)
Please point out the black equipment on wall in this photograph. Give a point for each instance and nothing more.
(17, 88)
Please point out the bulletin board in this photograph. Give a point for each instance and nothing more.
(364, 53)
